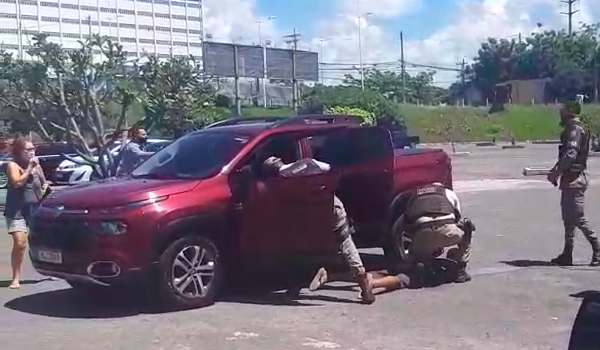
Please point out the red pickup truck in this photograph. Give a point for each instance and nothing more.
(201, 207)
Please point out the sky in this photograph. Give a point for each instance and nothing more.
(436, 32)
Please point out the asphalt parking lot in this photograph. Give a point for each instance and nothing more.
(515, 301)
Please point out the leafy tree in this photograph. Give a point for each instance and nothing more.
(419, 88)
(569, 62)
(72, 93)
(177, 98)
(367, 117)
(320, 98)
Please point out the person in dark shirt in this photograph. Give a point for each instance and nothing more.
(132, 154)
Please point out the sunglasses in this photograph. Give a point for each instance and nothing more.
(30, 149)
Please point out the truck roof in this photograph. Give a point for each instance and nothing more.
(254, 126)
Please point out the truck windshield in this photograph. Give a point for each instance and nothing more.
(195, 156)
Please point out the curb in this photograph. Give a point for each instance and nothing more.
(485, 144)
(460, 154)
(545, 142)
(513, 146)
(535, 171)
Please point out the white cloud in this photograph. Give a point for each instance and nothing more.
(475, 21)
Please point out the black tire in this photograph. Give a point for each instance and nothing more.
(177, 297)
(396, 244)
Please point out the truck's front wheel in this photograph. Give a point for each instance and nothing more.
(191, 273)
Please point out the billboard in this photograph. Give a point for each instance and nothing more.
(218, 60)
(279, 64)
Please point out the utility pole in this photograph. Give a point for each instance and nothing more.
(294, 38)
(463, 78)
(570, 13)
(403, 65)
(236, 77)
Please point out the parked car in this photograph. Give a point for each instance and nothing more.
(4, 159)
(49, 155)
(202, 206)
(71, 173)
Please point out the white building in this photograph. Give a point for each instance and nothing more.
(163, 28)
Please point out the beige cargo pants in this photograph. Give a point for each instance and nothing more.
(343, 230)
(426, 241)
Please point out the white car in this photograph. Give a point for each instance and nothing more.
(71, 173)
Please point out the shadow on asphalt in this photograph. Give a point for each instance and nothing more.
(6, 283)
(527, 263)
(67, 303)
(261, 288)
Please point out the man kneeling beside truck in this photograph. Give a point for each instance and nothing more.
(202, 207)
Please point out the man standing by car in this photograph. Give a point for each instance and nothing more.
(342, 228)
(571, 171)
(432, 219)
(132, 154)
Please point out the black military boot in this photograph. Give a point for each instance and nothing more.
(565, 258)
(462, 275)
(595, 252)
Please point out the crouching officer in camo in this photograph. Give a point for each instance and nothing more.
(569, 174)
(433, 220)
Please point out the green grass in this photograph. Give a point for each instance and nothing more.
(474, 124)
(470, 123)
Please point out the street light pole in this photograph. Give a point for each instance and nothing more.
(360, 54)
(264, 62)
(321, 71)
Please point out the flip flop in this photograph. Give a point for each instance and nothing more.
(14, 286)
(319, 280)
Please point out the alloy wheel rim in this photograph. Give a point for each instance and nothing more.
(3, 179)
(193, 271)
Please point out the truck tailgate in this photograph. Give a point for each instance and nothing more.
(418, 166)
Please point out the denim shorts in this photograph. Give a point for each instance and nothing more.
(16, 225)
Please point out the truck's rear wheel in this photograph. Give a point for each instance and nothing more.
(397, 243)
(190, 273)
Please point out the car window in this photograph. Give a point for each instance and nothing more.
(341, 148)
(155, 146)
(195, 156)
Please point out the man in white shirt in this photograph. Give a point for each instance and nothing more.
(432, 220)
(342, 228)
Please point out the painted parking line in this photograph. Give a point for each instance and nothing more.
(465, 186)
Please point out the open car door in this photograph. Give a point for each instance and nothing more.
(367, 181)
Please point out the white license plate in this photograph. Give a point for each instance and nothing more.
(50, 256)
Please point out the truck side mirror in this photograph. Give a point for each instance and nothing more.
(240, 182)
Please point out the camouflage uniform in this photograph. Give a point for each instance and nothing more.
(571, 167)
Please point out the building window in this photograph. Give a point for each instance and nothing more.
(50, 19)
(49, 4)
(69, 6)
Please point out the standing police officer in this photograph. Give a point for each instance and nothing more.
(571, 171)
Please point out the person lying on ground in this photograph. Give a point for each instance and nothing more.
(442, 271)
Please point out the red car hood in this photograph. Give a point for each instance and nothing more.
(114, 192)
